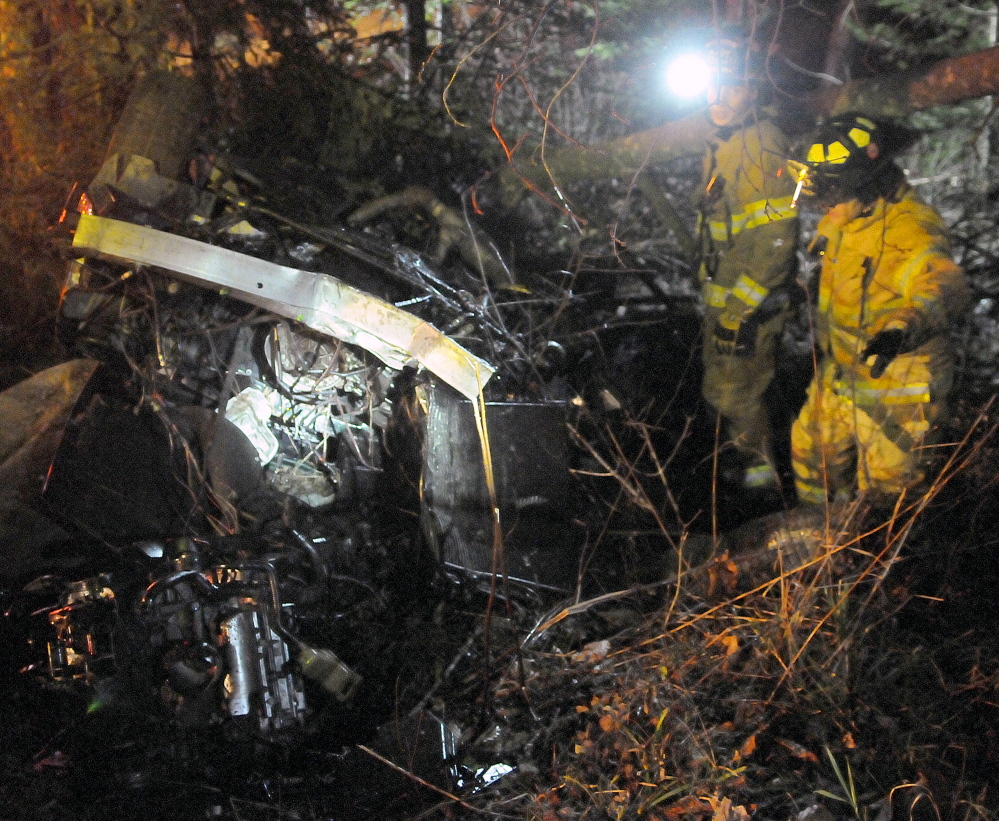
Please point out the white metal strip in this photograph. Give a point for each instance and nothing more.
(319, 301)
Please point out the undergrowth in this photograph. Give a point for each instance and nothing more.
(843, 668)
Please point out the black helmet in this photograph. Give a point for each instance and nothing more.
(852, 155)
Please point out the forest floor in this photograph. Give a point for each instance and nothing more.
(822, 665)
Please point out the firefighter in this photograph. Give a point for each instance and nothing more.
(748, 242)
(888, 293)
(747, 248)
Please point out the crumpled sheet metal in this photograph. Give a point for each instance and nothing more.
(319, 301)
(34, 415)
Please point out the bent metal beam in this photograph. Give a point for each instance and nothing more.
(317, 300)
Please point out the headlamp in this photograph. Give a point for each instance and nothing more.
(721, 57)
(688, 75)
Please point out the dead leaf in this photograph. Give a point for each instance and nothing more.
(688, 805)
(797, 750)
(725, 810)
(592, 653)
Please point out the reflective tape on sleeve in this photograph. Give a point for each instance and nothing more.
(756, 214)
(866, 393)
(719, 230)
(760, 476)
(749, 291)
(809, 492)
(763, 212)
(716, 295)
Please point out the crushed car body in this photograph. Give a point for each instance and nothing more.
(275, 439)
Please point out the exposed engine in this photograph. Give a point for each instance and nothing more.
(215, 635)
(311, 406)
(280, 430)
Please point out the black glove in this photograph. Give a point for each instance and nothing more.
(884, 347)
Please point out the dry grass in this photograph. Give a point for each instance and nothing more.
(814, 676)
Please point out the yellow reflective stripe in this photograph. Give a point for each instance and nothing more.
(756, 214)
(865, 392)
(759, 476)
(809, 492)
(770, 210)
(801, 470)
(909, 395)
(719, 231)
(716, 295)
(749, 291)
(763, 212)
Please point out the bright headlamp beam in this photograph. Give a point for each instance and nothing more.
(688, 75)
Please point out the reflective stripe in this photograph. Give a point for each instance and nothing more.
(750, 291)
(746, 289)
(756, 214)
(801, 469)
(864, 392)
(764, 211)
(759, 476)
(808, 492)
(716, 295)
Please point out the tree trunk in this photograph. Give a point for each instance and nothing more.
(894, 95)
(622, 158)
(416, 37)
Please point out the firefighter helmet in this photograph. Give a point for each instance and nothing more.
(851, 155)
(733, 57)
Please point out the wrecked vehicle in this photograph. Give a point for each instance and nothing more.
(279, 417)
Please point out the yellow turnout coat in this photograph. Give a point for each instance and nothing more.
(885, 266)
(749, 235)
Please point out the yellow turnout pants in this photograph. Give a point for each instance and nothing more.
(843, 441)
